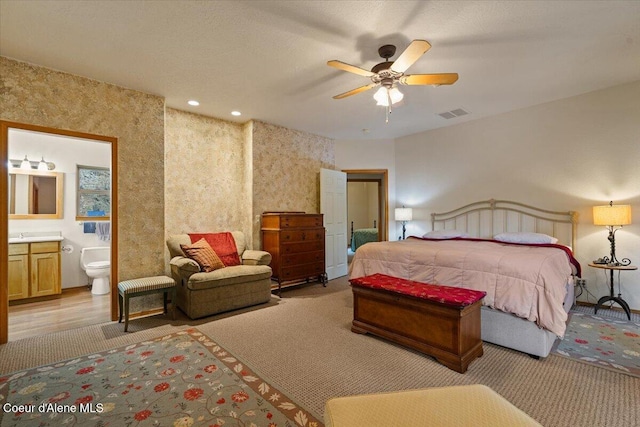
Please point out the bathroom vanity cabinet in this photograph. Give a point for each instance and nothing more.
(34, 270)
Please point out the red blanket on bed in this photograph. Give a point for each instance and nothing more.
(222, 244)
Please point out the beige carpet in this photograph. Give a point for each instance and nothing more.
(303, 343)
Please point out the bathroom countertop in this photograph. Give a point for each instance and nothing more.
(35, 237)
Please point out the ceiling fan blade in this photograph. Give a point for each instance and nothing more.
(350, 68)
(355, 91)
(415, 50)
(429, 79)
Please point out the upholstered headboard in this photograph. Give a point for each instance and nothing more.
(487, 218)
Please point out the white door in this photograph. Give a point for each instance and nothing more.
(333, 204)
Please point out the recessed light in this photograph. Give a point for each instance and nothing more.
(193, 102)
(236, 113)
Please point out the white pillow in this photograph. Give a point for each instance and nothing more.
(524, 237)
(444, 234)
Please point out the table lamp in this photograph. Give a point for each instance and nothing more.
(404, 214)
(613, 216)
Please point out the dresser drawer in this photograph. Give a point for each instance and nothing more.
(300, 221)
(302, 271)
(313, 234)
(302, 258)
(294, 248)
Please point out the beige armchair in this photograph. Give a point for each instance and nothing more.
(201, 294)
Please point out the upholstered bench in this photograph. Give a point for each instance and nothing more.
(145, 286)
(457, 406)
(441, 321)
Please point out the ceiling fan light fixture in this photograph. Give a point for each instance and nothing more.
(395, 95)
(383, 96)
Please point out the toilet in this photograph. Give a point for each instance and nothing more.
(96, 263)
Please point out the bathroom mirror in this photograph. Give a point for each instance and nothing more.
(35, 194)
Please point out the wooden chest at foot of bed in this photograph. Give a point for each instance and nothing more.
(441, 321)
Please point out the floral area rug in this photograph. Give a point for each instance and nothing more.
(181, 380)
(600, 341)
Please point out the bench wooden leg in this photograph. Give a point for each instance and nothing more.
(126, 312)
(119, 307)
(173, 303)
(164, 301)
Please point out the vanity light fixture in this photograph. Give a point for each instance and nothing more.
(26, 164)
(42, 166)
(193, 102)
(236, 113)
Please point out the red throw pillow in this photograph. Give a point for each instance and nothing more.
(223, 245)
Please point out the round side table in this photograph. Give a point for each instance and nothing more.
(611, 297)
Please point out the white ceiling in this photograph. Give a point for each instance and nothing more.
(268, 58)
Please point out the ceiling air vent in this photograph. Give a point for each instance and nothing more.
(453, 113)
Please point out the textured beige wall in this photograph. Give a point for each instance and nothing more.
(205, 176)
(219, 175)
(217, 170)
(40, 96)
(250, 223)
(286, 170)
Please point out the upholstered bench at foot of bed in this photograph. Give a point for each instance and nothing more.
(441, 321)
(458, 406)
(145, 286)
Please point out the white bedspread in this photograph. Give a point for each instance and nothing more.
(527, 281)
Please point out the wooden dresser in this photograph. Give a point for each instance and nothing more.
(295, 241)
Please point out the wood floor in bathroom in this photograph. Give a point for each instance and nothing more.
(75, 308)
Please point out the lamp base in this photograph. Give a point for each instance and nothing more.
(613, 261)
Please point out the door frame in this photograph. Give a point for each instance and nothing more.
(374, 177)
(4, 213)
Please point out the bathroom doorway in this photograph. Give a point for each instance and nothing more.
(62, 151)
(367, 207)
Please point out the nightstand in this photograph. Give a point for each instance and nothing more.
(617, 299)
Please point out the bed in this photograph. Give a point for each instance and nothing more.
(529, 287)
(363, 235)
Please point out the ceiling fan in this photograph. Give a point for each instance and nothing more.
(389, 74)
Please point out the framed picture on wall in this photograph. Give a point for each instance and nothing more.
(93, 193)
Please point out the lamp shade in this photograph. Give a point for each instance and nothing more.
(42, 166)
(612, 215)
(404, 214)
(26, 164)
